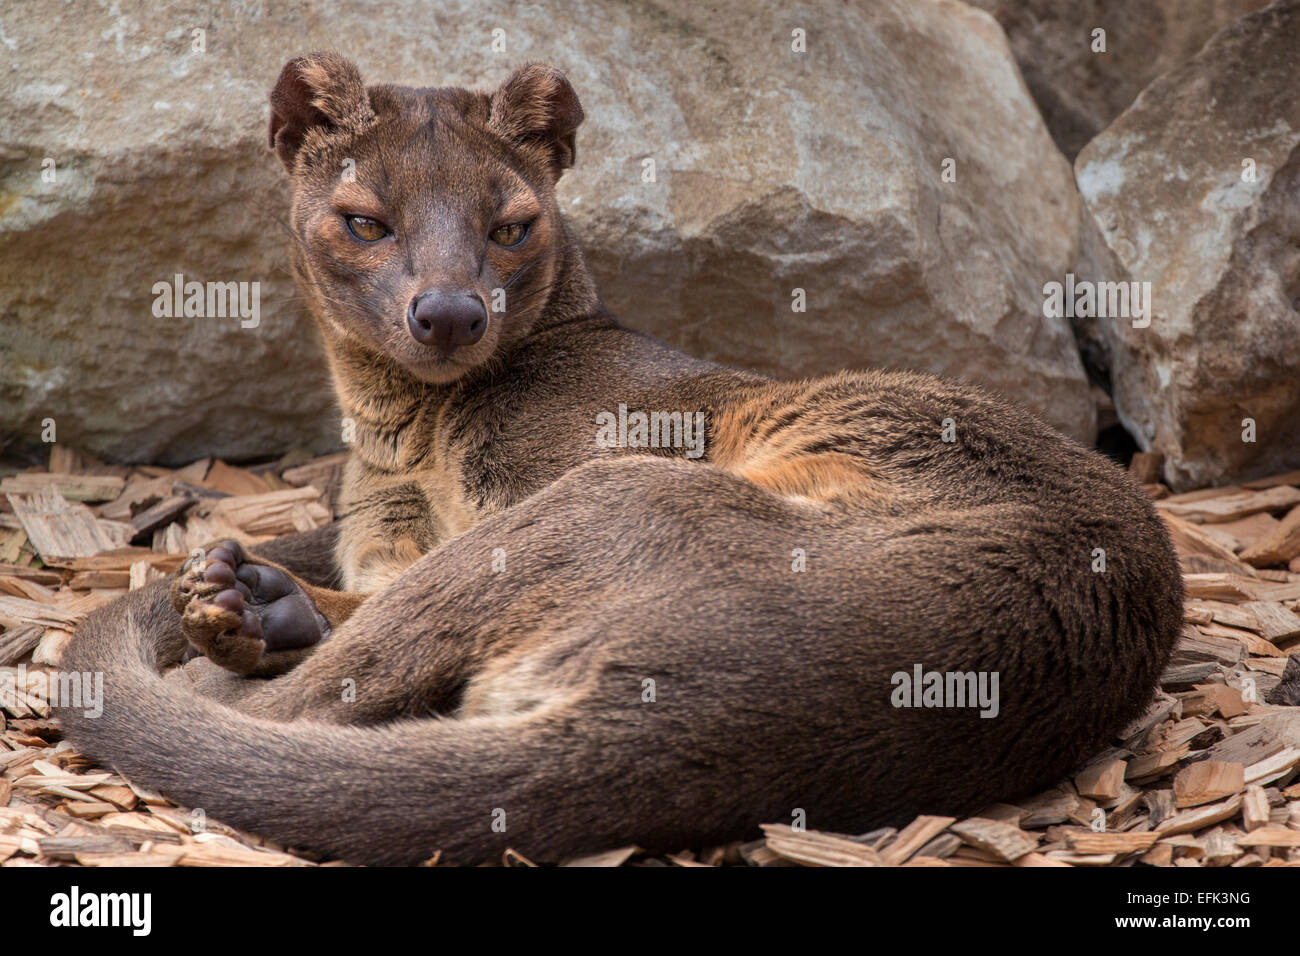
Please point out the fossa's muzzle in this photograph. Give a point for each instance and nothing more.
(446, 320)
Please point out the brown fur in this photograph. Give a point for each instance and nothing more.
(480, 690)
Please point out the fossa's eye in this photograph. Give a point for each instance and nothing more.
(367, 230)
(509, 235)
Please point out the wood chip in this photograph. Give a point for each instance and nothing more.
(1273, 621)
(1070, 858)
(1195, 819)
(758, 853)
(1189, 675)
(42, 576)
(141, 573)
(164, 512)
(1285, 478)
(123, 798)
(68, 781)
(1213, 699)
(85, 580)
(607, 858)
(1234, 615)
(1233, 505)
(1101, 780)
(1273, 767)
(1237, 588)
(1254, 807)
(812, 848)
(1204, 494)
(233, 481)
(121, 559)
(1162, 854)
(127, 859)
(1244, 531)
(138, 495)
(58, 528)
(1150, 766)
(1086, 841)
(272, 513)
(912, 837)
(1002, 840)
(15, 612)
(17, 642)
(1271, 836)
(1207, 781)
(1040, 859)
(71, 487)
(1199, 549)
(200, 854)
(52, 644)
(1279, 546)
(195, 471)
(1203, 643)
(67, 847)
(941, 847)
(325, 473)
(1249, 640)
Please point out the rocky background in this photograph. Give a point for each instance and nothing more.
(921, 169)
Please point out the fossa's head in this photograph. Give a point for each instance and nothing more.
(425, 219)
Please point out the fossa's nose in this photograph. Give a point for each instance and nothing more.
(446, 320)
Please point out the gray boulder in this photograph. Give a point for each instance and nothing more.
(1079, 89)
(1196, 188)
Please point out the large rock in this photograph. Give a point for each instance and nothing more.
(774, 170)
(1167, 185)
(1080, 90)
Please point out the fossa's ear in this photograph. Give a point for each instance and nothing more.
(536, 108)
(316, 91)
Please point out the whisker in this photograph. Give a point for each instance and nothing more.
(519, 272)
(359, 302)
(527, 297)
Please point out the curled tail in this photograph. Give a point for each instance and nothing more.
(380, 795)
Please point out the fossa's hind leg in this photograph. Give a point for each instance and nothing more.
(429, 642)
(250, 616)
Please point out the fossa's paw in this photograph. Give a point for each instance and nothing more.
(235, 612)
